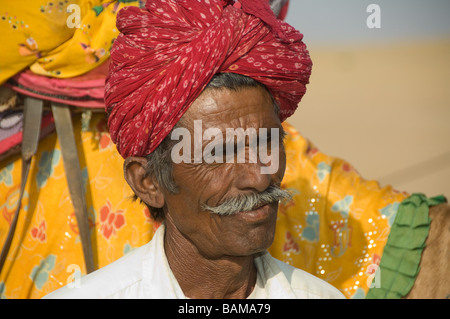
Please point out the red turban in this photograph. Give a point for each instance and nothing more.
(168, 52)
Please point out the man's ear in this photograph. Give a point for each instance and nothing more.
(144, 185)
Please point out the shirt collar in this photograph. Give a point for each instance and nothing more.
(160, 282)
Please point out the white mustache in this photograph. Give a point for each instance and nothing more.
(248, 202)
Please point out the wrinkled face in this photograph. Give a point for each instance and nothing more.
(242, 233)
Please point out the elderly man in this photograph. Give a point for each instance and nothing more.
(188, 73)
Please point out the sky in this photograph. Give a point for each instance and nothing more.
(345, 21)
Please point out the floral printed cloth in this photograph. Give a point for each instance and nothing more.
(57, 38)
(335, 227)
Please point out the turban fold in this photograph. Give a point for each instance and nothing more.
(168, 52)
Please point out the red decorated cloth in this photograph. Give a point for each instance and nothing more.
(168, 52)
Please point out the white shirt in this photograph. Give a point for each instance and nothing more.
(145, 273)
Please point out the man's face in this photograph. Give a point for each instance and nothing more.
(243, 233)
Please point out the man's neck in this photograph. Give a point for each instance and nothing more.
(204, 278)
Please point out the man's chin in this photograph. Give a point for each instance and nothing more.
(257, 237)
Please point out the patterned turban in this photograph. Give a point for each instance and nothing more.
(168, 52)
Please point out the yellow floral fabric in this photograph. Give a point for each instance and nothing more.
(335, 227)
(338, 223)
(57, 38)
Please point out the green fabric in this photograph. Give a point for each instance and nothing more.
(400, 261)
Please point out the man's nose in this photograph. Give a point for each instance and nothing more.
(248, 177)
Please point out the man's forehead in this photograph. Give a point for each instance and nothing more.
(225, 106)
